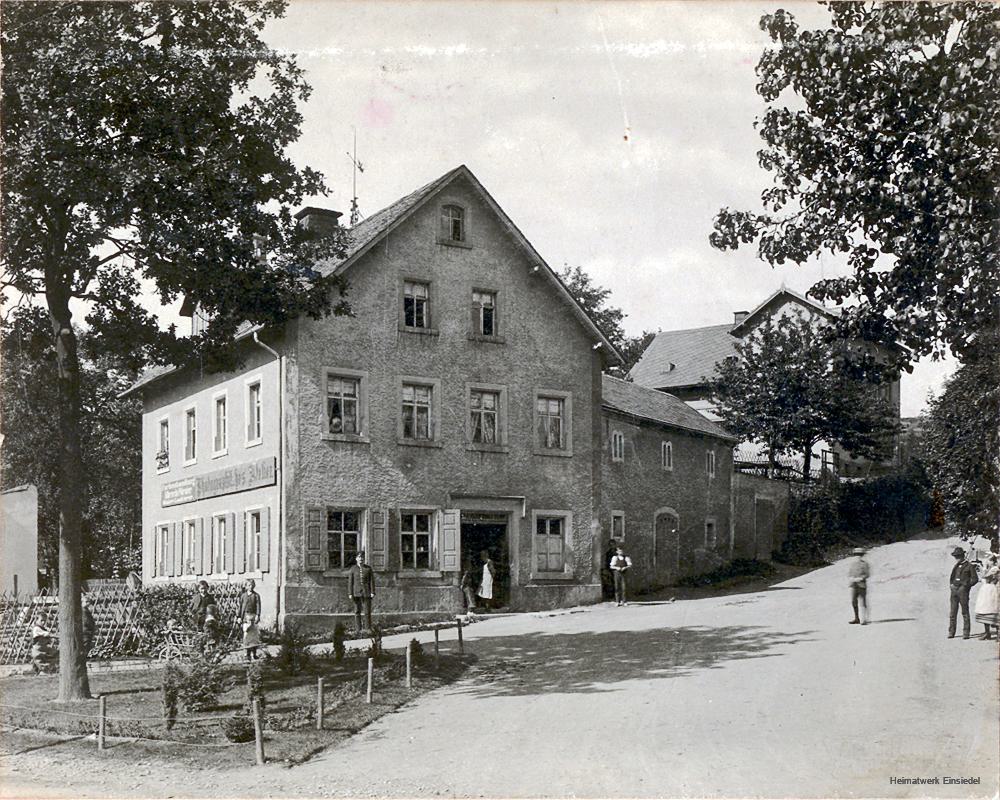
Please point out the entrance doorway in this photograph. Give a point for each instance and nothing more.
(487, 532)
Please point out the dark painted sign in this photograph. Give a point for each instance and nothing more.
(237, 478)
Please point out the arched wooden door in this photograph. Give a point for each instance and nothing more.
(666, 533)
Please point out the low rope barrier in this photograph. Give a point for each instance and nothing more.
(112, 719)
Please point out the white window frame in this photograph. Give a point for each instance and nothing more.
(566, 451)
(187, 547)
(711, 545)
(667, 455)
(161, 536)
(567, 518)
(160, 423)
(710, 463)
(434, 417)
(617, 516)
(361, 377)
(617, 446)
(258, 381)
(432, 547)
(190, 412)
(224, 397)
(249, 546)
(221, 541)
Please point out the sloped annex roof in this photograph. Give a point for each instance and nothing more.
(649, 404)
(683, 358)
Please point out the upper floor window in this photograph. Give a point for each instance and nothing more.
(667, 455)
(342, 395)
(416, 304)
(617, 446)
(710, 463)
(484, 409)
(484, 313)
(417, 407)
(219, 426)
(190, 435)
(254, 433)
(415, 540)
(163, 445)
(343, 537)
(453, 223)
(551, 413)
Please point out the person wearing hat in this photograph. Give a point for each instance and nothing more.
(858, 574)
(963, 578)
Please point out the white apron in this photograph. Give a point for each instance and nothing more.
(486, 589)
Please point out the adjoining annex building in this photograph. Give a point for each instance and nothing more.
(463, 407)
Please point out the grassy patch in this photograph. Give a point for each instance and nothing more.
(737, 571)
(139, 731)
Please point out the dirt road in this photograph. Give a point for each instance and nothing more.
(765, 694)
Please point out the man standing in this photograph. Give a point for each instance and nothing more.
(963, 578)
(361, 587)
(619, 564)
(857, 575)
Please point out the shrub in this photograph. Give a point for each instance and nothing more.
(418, 651)
(339, 635)
(170, 691)
(201, 684)
(255, 688)
(293, 657)
(238, 728)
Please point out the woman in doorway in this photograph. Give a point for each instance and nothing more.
(486, 583)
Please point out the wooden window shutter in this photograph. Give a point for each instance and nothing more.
(199, 546)
(451, 540)
(265, 540)
(240, 553)
(206, 544)
(378, 537)
(168, 534)
(178, 536)
(157, 567)
(394, 558)
(314, 538)
(230, 549)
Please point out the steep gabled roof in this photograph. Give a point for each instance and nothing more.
(683, 358)
(783, 295)
(649, 404)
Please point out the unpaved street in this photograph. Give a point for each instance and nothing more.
(764, 694)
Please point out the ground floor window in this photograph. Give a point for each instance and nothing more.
(162, 549)
(343, 537)
(618, 526)
(549, 556)
(415, 540)
(220, 526)
(190, 542)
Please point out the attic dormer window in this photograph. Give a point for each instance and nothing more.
(453, 223)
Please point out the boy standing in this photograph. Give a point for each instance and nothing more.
(619, 564)
(857, 575)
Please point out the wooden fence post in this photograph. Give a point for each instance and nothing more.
(409, 665)
(319, 703)
(102, 708)
(258, 733)
(437, 648)
(461, 644)
(371, 677)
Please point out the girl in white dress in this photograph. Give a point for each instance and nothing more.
(987, 600)
(486, 586)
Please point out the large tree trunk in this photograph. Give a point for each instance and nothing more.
(772, 461)
(807, 453)
(73, 682)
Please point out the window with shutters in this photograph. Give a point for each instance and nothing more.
(549, 543)
(190, 435)
(667, 455)
(220, 543)
(220, 442)
(254, 412)
(553, 423)
(617, 446)
(415, 540)
(189, 543)
(253, 540)
(343, 537)
(162, 549)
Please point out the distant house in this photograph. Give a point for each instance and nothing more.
(19, 539)
(683, 362)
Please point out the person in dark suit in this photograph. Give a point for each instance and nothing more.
(200, 603)
(361, 587)
(963, 578)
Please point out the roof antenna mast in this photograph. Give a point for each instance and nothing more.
(358, 167)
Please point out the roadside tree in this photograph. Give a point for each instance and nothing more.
(144, 150)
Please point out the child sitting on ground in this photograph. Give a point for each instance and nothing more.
(42, 654)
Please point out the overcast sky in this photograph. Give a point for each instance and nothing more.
(611, 133)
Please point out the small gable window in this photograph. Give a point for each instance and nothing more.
(453, 223)
(617, 446)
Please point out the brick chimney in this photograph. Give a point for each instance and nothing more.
(739, 316)
(321, 220)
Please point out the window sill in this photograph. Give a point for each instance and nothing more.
(478, 447)
(546, 577)
(220, 453)
(480, 337)
(553, 453)
(254, 443)
(452, 243)
(412, 574)
(162, 470)
(337, 573)
(191, 463)
(419, 443)
(349, 438)
(419, 331)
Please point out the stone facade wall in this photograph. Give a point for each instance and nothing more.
(761, 516)
(643, 489)
(541, 347)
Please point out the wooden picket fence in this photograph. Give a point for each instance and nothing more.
(128, 622)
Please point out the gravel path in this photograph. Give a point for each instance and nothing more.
(764, 694)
